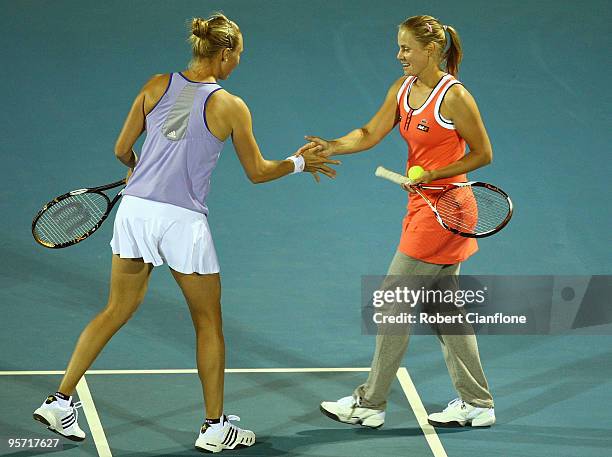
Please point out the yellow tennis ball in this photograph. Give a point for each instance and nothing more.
(415, 172)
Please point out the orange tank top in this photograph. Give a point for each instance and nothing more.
(433, 143)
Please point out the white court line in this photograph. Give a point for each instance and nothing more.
(419, 411)
(102, 445)
(97, 432)
(29, 373)
(190, 371)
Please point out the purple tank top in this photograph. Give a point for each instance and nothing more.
(179, 153)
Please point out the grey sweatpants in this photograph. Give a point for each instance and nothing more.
(460, 350)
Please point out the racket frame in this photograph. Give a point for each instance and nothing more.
(400, 179)
(95, 190)
(446, 188)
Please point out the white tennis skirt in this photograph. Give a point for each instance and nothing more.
(163, 233)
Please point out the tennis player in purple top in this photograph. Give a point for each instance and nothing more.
(162, 217)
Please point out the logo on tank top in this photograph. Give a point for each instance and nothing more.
(423, 125)
(172, 134)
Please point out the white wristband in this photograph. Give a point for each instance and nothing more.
(298, 163)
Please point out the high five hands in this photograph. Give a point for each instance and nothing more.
(316, 155)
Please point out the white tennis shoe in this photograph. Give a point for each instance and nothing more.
(61, 417)
(349, 411)
(459, 414)
(215, 439)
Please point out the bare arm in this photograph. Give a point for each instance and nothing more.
(134, 124)
(257, 168)
(132, 129)
(370, 134)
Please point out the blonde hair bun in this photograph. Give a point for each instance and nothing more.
(212, 35)
(199, 27)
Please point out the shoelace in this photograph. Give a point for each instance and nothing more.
(72, 411)
(76, 405)
(454, 403)
(350, 402)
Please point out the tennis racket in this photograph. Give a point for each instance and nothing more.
(472, 209)
(72, 217)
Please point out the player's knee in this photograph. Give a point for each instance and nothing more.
(118, 314)
(208, 325)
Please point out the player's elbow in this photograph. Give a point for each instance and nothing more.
(369, 138)
(488, 157)
(121, 152)
(256, 176)
(261, 172)
(485, 157)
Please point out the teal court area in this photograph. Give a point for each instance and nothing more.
(157, 412)
(293, 253)
(162, 409)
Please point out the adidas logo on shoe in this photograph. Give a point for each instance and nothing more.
(60, 417)
(225, 435)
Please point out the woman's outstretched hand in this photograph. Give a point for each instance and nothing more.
(326, 148)
(316, 161)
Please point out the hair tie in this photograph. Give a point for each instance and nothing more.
(428, 25)
(447, 38)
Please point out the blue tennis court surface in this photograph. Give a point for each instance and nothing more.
(292, 252)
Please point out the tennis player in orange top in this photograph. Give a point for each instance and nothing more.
(436, 116)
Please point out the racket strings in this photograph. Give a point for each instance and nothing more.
(71, 218)
(473, 209)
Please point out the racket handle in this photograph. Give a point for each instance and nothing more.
(382, 172)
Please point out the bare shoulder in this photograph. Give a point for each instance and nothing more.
(459, 106)
(395, 87)
(458, 96)
(235, 102)
(156, 83)
(399, 81)
(228, 103)
(153, 90)
(225, 113)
